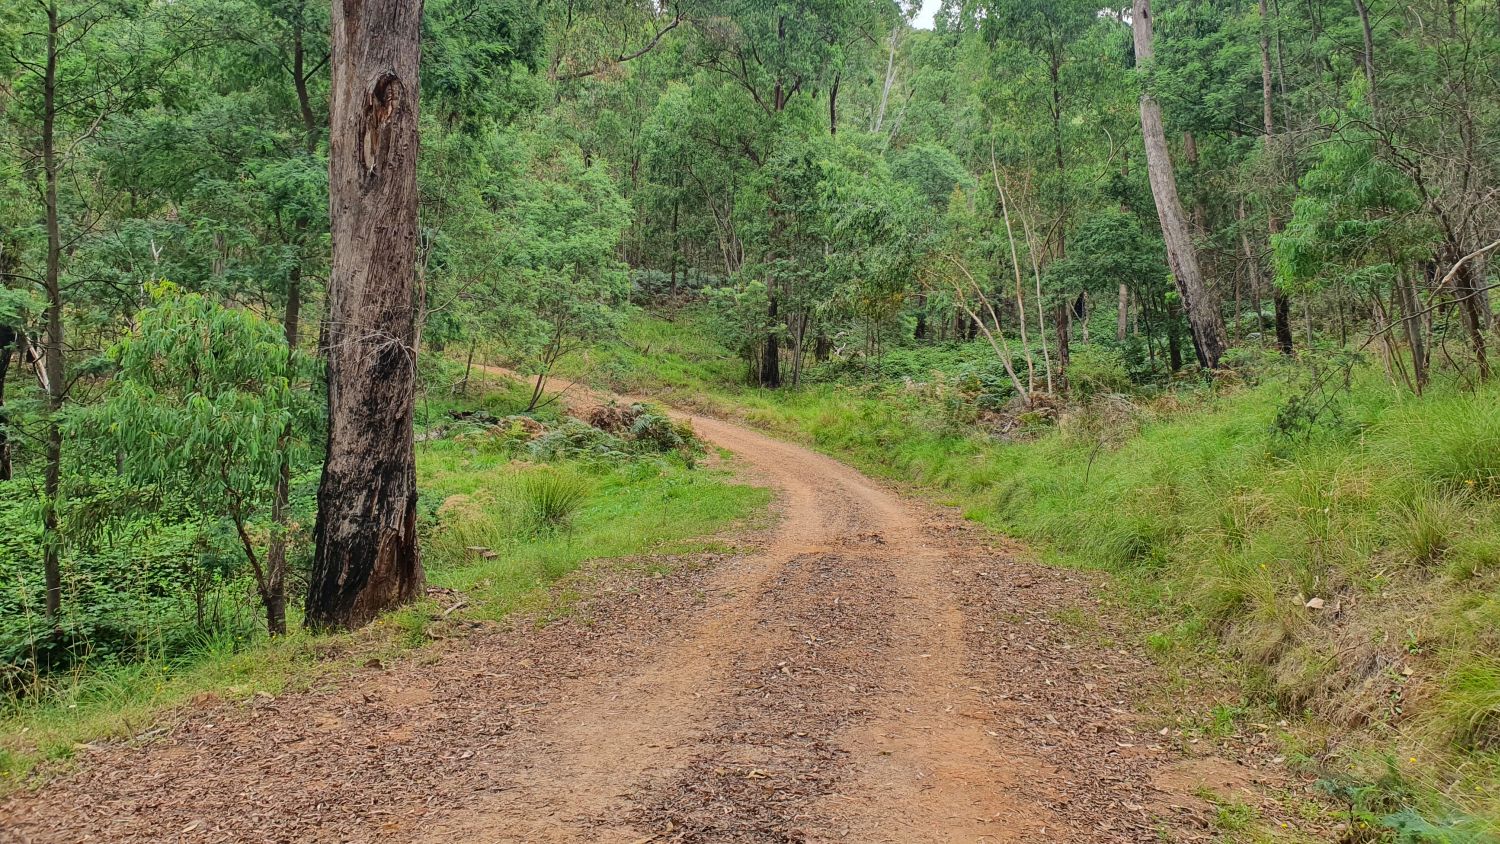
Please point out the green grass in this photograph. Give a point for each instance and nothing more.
(1222, 530)
(669, 357)
(1206, 515)
(127, 700)
(628, 510)
(478, 496)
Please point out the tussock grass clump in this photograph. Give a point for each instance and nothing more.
(1475, 554)
(1469, 707)
(550, 497)
(1451, 441)
(1429, 524)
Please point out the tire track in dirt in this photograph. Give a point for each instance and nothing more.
(828, 697)
(871, 673)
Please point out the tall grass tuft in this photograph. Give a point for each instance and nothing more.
(1452, 441)
(1470, 705)
(550, 497)
(1429, 524)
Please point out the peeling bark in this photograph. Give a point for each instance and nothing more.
(1202, 307)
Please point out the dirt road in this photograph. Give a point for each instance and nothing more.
(870, 671)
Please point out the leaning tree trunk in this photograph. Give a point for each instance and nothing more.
(1202, 308)
(366, 559)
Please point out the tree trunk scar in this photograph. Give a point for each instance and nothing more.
(381, 102)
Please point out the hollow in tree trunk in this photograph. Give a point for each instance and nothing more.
(366, 559)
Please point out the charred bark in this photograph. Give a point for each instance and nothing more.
(770, 358)
(1279, 298)
(367, 559)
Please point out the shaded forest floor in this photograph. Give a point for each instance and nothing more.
(868, 669)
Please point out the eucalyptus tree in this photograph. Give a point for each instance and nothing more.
(78, 67)
(366, 559)
(1209, 338)
(774, 58)
(560, 233)
(204, 407)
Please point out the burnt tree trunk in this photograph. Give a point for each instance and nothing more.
(1174, 341)
(1062, 326)
(1273, 222)
(833, 105)
(366, 559)
(1202, 308)
(770, 353)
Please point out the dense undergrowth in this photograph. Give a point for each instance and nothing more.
(1333, 536)
(507, 504)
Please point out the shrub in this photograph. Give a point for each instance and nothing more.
(574, 439)
(1094, 370)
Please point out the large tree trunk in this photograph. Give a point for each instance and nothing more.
(367, 559)
(53, 363)
(1202, 308)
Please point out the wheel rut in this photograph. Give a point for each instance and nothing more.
(856, 677)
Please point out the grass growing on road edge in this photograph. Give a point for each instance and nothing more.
(1349, 565)
(622, 511)
(632, 508)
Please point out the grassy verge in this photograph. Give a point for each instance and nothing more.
(1347, 565)
(475, 493)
